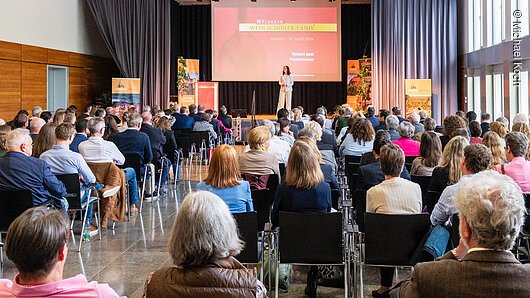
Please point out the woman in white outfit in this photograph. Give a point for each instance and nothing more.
(286, 89)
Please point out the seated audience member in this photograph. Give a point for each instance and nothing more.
(525, 129)
(86, 112)
(414, 119)
(284, 133)
(81, 131)
(222, 129)
(396, 111)
(327, 123)
(343, 120)
(448, 171)
(21, 171)
(326, 150)
(37, 242)
(327, 138)
(70, 118)
(359, 140)
(215, 124)
(370, 157)
(34, 128)
(200, 112)
(100, 113)
(163, 123)
(430, 125)
(328, 170)
(283, 113)
(277, 147)
(157, 139)
(383, 113)
(475, 132)
(344, 131)
(485, 120)
(46, 116)
(494, 143)
(111, 111)
(304, 191)
(182, 120)
(394, 195)
(297, 118)
(203, 124)
(203, 245)
(20, 121)
(430, 153)
(471, 116)
(409, 146)
(4, 130)
(58, 117)
(111, 128)
(491, 210)
(372, 174)
(392, 123)
(133, 141)
(45, 140)
(258, 161)
(501, 130)
(423, 116)
(224, 180)
(63, 161)
(476, 159)
(451, 123)
(370, 116)
(2, 122)
(223, 116)
(520, 118)
(35, 112)
(504, 121)
(518, 168)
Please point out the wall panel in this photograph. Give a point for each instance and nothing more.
(56, 57)
(10, 51)
(34, 86)
(34, 54)
(10, 83)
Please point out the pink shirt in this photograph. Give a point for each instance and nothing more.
(519, 170)
(474, 140)
(76, 286)
(409, 146)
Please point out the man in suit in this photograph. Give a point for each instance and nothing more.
(21, 171)
(81, 128)
(371, 174)
(491, 209)
(193, 112)
(182, 120)
(485, 120)
(157, 139)
(133, 141)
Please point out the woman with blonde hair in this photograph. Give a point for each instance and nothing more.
(203, 244)
(257, 161)
(58, 118)
(224, 180)
(500, 129)
(492, 140)
(297, 115)
(45, 139)
(327, 169)
(448, 171)
(304, 190)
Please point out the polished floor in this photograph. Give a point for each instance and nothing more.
(125, 256)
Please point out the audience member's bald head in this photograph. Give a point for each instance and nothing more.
(36, 124)
(147, 117)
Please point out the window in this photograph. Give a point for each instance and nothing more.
(523, 22)
(473, 92)
(519, 93)
(495, 21)
(498, 95)
(474, 9)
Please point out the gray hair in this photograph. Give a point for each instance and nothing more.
(503, 120)
(520, 118)
(422, 114)
(204, 231)
(493, 206)
(392, 122)
(134, 119)
(430, 124)
(306, 133)
(36, 111)
(406, 129)
(36, 124)
(17, 137)
(414, 117)
(321, 111)
(518, 143)
(269, 125)
(95, 125)
(315, 128)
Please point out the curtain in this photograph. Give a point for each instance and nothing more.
(191, 38)
(137, 33)
(415, 39)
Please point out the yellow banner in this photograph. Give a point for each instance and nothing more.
(249, 27)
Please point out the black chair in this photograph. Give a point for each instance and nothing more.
(311, 239)
(247, 224)
(359, 205)
(73, 196)
(455, 232)
(352, 164)
(408, 162)
(133, 160)
(423, 181)
(282, 171)
(335, 197)
(391, 240)
(431, 199)
(12, 204)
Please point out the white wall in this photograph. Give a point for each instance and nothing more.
(66, 25)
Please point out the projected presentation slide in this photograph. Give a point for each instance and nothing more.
(252, 41)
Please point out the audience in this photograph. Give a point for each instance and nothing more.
(224, 180)
(35, 112)
(392, 123)
(409, 146)
(471, 116)
(382, 138)
(396, 111)
(451, 124)
(86, 112)
(21, 121)
(394, 195)
(370, 116)
(504, 121)
(476, 132)
(258, 161)
(111, 128)
(501, 130)
(223, 116)
(525, 129)
(491, 209)
(34, 128)
(203, 124)
(485, 120)
(46, 116)
(476, 159)
(21, 171)
(4, 130)
(383, 114)
(278, 147)
(81, 131)
(45, 140)
(414, 119)
(358, 140)
(297, 115)
(430, 154)
(182, 120)
(37, 242)
(448, 171)
(157, 139)
(494, 143)
(170, 146)
(518, 168)
(326, 150)
(327, 169)
(284, 133)
(58, 118)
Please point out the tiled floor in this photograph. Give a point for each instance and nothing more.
(125, 256)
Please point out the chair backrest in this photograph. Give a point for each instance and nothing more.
(310, 238)
(262, 200)
(183, 142)
(431, 199)
(423, 181)
(73, 190)
(133, 160)
(247, 224)
(392, 239)
(408, 162)
(282, 171)
(352, 164)
(455, 231)
(335, 197)
(12, 204)
(359, 205)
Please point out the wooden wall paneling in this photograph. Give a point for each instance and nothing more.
(34, 54)
(77, 88)
(56, 57)
(34, 85)
(10, 51)
(77, 60)
(10, 85)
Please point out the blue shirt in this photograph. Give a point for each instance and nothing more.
(64, 161)
(238, 198)
(78, 138)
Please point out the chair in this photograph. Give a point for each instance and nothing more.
(73, 196)
(423, 181)
(247, 224)
(12, 204)
(408, 162)
(133, 160)
(431, 199)
(335, 197)
(391, 240)
(455, 232)
(311, 239)
(359, 204)
(282, 171)
(352, 164)
(262, 200)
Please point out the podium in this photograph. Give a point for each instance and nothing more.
(207, 94)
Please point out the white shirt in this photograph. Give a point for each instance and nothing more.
(97, 150)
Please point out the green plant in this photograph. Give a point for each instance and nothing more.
(183, 79)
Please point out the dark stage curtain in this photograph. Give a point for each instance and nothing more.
(191, 38)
